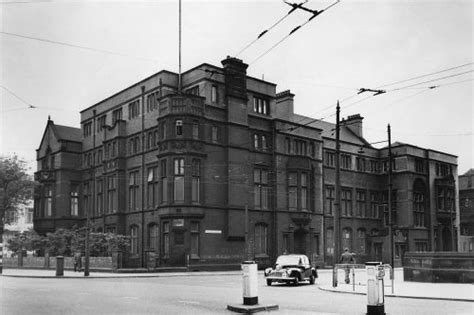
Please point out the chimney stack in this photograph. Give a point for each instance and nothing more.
(235, 72)
(354, 123)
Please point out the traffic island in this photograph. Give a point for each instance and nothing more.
(250, 284)
(250, 309)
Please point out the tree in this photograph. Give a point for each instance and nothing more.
(16, 186)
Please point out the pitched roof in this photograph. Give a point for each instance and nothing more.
(68, 133)
(470, 172)
(328, 129)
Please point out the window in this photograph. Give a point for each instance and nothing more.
(100, 157)
(152, 187)
(193, 91)
(87, 129)
(288, 145)
(346, 161)
(300, 147)
(116, 115)
(360, 200)
(111, 194)
(329, 158)
(134, 240)
(133, 109)
(74, 195)
(329, 191)
(292, 190)
(101, 122)
(443, 169)
(373, 166)
(86, 198)
(346, 202)
(419, 215)
(330, 242)
(421, 246)
(316, 245)
(179, 127)
(214, 134)
(152, 236)
(133, 191)
(152, 101)
(149, 140)
(195, 129)
(361, 241)
(347, 238)
(260, 178)
(100, 197)
(196, 180)
(304, 191)
(374, 205)
(29, 216)
(360, 161)
(313, 150)
(163, 130)
(166, 239)
(194, 230)
(260, 239)
(48, 200)
(260, 106)
(214, 94)
(164, 182)
(179, 179)
(419, 166)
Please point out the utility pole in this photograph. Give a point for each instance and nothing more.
(246, 224)
(337, 203)
(390, 213)
(179, 66)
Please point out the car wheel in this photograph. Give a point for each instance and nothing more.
(269, 282)
(311, 279)
(297, 280)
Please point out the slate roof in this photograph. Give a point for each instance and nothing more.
(328, 129)
(470, 172)
(68, 133)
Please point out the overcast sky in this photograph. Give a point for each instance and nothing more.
(355, 44)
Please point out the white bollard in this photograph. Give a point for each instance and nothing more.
(375, 289)
(250, 282)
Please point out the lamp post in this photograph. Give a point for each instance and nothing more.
(337, 190)
(390, 220)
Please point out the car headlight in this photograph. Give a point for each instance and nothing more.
(267, 271)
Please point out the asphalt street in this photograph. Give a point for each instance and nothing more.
(191, 295)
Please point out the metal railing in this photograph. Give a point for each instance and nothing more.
(352, 268)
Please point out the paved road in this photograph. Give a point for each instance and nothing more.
(190, 295)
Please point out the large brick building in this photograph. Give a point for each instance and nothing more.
(466, 209)
(184, 174)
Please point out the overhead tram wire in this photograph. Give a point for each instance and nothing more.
(77, 46)
(425, 75)
(433, 80)
(294, 5)
(18, 97)
(315, 13)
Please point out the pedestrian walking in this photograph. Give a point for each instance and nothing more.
(77, 261)
(347, 258)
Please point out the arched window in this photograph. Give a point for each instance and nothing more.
(361, 239)
(261, 239)
(419, 211)
(330, 241)
(134, 239)
(347, 238)
(152, 236)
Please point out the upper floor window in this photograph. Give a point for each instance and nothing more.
(346, 161)
(133, 190)
(360, 161)
(152, 186)
(214, 134)
(48, 200)
(361, 203)
(179, 127)
(300, 147)
(346, 202)
(179, 179)
(298, 191)
(101, 123)
(116, 115)
(373, 166)
(443, 169)
(329, 192)
(419, 166)
(87, 129)
(329, 158)
(195, 129)
(196, 180)
(261, 188)
(152, 101)
(194, 90)
(260, 105)
(260, 142)
(74, 195)
(214, 94)
(134, 109)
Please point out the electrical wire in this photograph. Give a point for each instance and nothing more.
(433, 80)
(77, 46)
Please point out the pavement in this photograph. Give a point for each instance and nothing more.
(402, 289)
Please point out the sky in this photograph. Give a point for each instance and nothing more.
(64, 56)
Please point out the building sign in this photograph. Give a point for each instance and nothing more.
(178, 222)
(213, 231)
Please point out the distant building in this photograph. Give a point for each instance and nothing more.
(20, 220)
(176, 171)
(466, 206)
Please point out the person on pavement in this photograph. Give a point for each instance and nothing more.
(347, 258)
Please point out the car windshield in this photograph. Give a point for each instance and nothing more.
(289, 260)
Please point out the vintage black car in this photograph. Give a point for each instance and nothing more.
(291, 269)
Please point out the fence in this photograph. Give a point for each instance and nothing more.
(29, 262)
(352, 268)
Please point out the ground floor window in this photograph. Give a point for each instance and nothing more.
(194, 239)
(134, 239)
(260, 239)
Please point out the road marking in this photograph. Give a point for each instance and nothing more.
(190, 302)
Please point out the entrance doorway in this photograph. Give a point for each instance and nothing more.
(300, 237)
